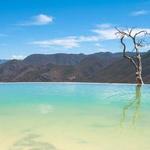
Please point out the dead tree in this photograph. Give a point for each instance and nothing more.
(137, 44)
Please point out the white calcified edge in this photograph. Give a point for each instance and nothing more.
(71, 83)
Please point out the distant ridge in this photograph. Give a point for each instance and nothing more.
(59, 59)
(97, 67)
(3, 61)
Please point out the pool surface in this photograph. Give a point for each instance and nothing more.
(74, 116)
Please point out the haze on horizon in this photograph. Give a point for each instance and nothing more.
(67, 26)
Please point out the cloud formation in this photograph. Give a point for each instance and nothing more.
(104, 25)
(18, 57)
(102, 32)
(66, 42)
(139, 13)
(41, 19)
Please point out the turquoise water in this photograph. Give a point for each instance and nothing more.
(74, 116)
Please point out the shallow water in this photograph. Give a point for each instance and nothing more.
(74, 116)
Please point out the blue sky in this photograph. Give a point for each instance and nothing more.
(66, 26)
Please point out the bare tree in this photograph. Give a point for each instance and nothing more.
(138, 40)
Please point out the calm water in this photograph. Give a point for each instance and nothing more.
(70, 116)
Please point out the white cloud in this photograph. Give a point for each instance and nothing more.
(101, 33)
(97, 44)
(92, 38)
(104, 25)
(105, 31)
(66, 42)
(138, 30)
(74, 41)
(139, 13)
(141, 29)
(41, 19)
(109, 33)
(105, 34)
(18, 57)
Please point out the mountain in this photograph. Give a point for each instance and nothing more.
(59, 59)
(3, 61)
(123, 71)
(98, 67)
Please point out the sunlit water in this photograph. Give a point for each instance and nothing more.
(74, 116)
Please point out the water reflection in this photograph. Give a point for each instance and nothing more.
(134, 107)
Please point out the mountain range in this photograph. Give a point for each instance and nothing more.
(97, 67)
(3, 61)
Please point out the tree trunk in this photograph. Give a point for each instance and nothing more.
(137, 44)
(139, 79)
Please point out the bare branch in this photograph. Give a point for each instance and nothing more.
(124, 53)
(136, 34)
(137, 44)
(130, 31)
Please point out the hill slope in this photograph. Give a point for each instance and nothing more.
(98, 67)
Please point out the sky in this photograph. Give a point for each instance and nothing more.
(67, 26)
